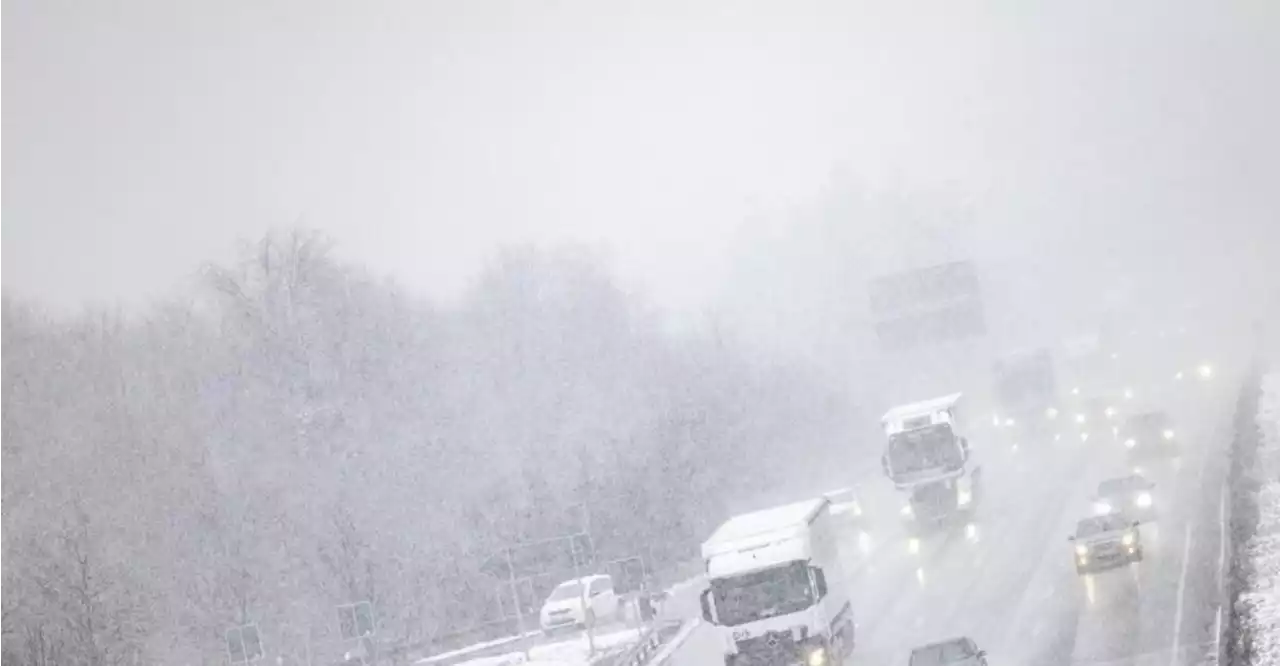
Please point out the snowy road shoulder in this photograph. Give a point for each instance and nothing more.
(1259, 603)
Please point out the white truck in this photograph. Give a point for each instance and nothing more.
(929, 458)
(777, 593)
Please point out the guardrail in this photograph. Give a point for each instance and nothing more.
(642, 652)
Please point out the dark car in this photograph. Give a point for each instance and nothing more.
(1132, 495)
(960, 651)
(1150, 436)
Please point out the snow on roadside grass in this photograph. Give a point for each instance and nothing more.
(572, 652)
(1260, 601)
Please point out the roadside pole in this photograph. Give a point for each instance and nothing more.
(588, 617)
(515, 598)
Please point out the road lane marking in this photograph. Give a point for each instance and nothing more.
(1182, 589)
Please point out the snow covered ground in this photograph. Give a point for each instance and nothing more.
(1260, 602)
(571, 652)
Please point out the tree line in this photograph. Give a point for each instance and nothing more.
(294, 433)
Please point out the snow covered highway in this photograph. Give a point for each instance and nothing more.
(1013, 588)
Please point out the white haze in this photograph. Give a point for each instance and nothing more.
(531, 257)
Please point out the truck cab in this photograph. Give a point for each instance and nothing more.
(776, 592)
(929, 458)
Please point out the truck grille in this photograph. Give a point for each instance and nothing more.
(935, 500)
(769, 649)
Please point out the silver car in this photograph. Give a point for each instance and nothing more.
(1105, 542)
(960, 651)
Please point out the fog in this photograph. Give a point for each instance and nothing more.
(311, 303)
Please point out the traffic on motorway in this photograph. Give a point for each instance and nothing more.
(795, 583)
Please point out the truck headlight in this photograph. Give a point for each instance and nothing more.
(1130, 443)
(1144, 500)
(963, 497)
(1127, 539)
(1082, 550)
(1168, 434)
(1102, 508)
(817, 657)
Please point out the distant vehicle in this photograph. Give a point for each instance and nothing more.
(1096, 415)
(564, 608)
(1025, 388)
(1105, 542)
(1131, 495)
(846, 506)
(1149, 436)
(928, 458)
(953, 652)
(776, 592)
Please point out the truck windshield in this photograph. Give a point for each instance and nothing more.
(924, 448)
(762, 594)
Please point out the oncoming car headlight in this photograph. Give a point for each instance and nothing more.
(1127, 539)
(1144, 500)
(1168, 434)
(1082, 550)
(907, 511)
(1051, 413)
(1130, 443)
(1080, 418)
(1102, 508)
(963, 497)
(817, 657)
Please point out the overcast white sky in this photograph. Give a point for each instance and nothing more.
(143, 137)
